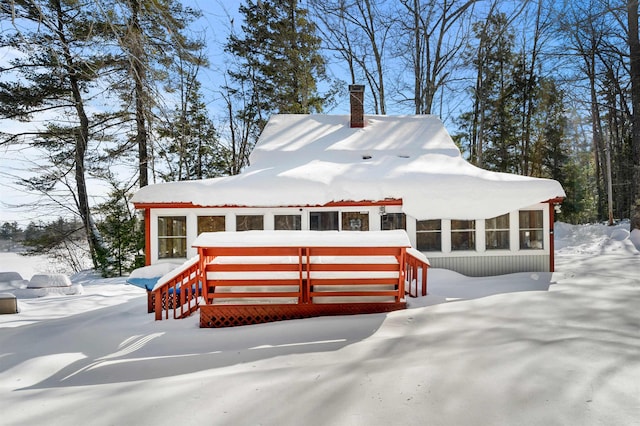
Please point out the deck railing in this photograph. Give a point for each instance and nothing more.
(246, 284)
(249, 285)
(179, 293)
(416, 273)
(303, 275)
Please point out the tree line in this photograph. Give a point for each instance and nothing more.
(535, 87)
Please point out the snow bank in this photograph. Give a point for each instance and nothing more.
(480, 354)
(594, 239)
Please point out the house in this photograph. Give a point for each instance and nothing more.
(359, 173)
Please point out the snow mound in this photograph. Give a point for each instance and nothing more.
(11, 281)
(49, 280)
(620, 234)
(32, 293)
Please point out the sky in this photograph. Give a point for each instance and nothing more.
(214, 25)
(530, 349)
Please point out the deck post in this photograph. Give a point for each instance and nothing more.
(304, 292)
(201, 280)
(158, 304)
(424, 279)
(402, 266)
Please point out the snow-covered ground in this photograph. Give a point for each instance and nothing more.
(520, 349)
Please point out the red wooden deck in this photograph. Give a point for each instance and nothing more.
(248, 285)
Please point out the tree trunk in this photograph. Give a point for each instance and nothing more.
(634, 54)
(138, 71)
(94, 239)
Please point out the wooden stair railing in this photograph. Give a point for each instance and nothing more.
(416, 272)
(180, 293)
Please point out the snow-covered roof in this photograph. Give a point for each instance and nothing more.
(309, 160)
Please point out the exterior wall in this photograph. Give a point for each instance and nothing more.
(478, 262)
(481, 266)
(482, 262)
(230, 220)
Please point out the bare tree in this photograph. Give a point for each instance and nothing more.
(434, 36)
(358, 31)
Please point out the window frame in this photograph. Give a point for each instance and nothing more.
(428, 232)
(470, 232)
(389, 221)
(171, 241)
(319, 213)
(490, 228)
(216, 219)
(248, 218)
(524, 232)
(296, 225)
(355, 217)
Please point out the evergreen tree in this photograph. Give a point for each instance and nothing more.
(151, 36)
(58, 67)
(491, 127)
(123, 235)
(189, 141)
(278, 60)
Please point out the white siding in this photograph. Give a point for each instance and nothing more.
(479, 266)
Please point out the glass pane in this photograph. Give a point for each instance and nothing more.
(172, 225)
(463, 240)
(429, 241)
(500, 222)
(392, 221)
(323, 221)
(291, 222)
(530, 219)
(249, 223)
(170, 248)
(497, 240)
(211, 224)
(429, 225)
(463, 224)
(355, 221)
(531, 239)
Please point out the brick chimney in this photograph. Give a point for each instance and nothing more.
(356, 97)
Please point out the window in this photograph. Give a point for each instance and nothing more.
(463, 235)
(211, 224)
(392, 221)
(323, 221)
(497, 233)
(355, 221)
(428, 235)
(249, 222)
(291, 222)
(531, 230)
(172, 237)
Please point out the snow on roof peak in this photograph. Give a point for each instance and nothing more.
(329, 136)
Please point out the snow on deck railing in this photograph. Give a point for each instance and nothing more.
(178, 291)
(416, 271)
